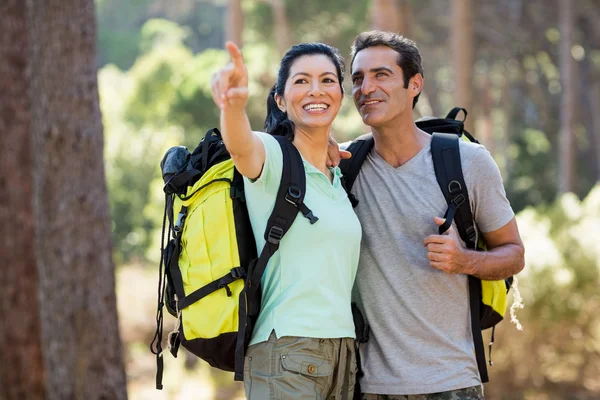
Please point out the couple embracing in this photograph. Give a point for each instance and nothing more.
(387, 254)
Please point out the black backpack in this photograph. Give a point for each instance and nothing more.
(191, 181)
(446, 133)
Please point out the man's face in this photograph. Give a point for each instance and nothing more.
(378, 87)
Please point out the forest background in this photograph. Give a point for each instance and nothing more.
(528, 72)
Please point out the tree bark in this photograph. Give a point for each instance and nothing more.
(505, 142)
(567, 107)
(64, 263)
(463, 52)
(283, 35)
(21, 361)
(486, 131)
(386, 16)
(235, 22)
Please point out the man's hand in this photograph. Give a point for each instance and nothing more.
(229, 85)
(334, 154)
(446, 252)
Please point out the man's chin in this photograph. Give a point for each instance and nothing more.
(371, 120)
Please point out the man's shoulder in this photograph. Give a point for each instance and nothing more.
(469, 149)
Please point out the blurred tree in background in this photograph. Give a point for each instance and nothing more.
(59, 331)
(528, 72)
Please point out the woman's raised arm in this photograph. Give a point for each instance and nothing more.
(229, 88)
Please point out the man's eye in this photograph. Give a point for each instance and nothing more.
(381, 75)
(356, 79)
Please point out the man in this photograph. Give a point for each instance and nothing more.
(412, 283)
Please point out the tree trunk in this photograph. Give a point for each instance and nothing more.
(21, 360)
(283, 35)
(463, 49)
(235, 22)
(567, 106)
(65, 254)
(486, 125)
(505, 142)
(386, 16)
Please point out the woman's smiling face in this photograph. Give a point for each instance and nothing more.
(312, 95)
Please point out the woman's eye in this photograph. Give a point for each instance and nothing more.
(301, 80)
(328, 80)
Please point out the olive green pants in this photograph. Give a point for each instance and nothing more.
(471, 393)
(296, 368)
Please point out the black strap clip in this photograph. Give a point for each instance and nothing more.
(471, 234)
(454, 184)
(180, 220)
(458, 200)
(293, 195)
(275, 235)
(174, 341)
(238, 272)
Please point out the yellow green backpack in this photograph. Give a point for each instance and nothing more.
(488, 299)
(212, 272)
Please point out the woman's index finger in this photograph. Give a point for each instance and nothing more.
(235, 53)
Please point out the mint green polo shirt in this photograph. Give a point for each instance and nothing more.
(307, 285)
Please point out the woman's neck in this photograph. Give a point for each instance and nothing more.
(313, 147)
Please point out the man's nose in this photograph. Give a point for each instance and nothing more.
(367, 87)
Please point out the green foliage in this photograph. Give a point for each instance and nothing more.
(119, 23)
(529, 182)
(333, 22)
(121, 38)
(560, 290)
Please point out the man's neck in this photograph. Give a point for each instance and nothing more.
(398, 143)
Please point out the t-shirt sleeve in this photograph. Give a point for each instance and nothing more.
(270, 175)
(491, 208)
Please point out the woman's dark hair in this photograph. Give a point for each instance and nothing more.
(277, 122)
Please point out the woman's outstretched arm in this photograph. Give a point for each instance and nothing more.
(229, 88)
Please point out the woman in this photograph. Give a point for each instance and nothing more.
(302, 344)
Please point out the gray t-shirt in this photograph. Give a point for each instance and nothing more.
(421, 339)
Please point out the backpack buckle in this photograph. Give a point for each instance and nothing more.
(293, 195)
(458, 200)
(180, 220)
(238, 272)
(275, 234)
(454, 184)
(471, 233)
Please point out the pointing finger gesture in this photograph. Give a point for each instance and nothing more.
(229, 85)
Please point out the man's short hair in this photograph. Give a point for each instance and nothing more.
(409, 58)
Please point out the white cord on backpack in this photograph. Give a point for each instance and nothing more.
(517, 303)
(177, 324)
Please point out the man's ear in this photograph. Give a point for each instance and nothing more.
(280, 102)
(415, 86)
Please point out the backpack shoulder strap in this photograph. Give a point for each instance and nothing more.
(289, 201)
(448, 171)
(350, 168)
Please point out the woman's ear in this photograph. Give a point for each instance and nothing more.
(280, 102)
